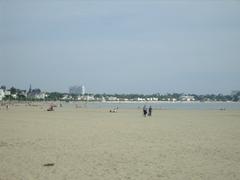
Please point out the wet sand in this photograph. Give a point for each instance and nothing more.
(75, 143)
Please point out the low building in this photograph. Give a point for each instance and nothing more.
(139, 99)
(67, 97)
(152, 99)
(187, 98)
(40, 95)
(174, 100)
(112, 98)
(86, 98)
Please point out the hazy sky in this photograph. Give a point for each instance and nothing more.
(145, 46)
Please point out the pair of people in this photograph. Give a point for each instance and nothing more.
(147, 111)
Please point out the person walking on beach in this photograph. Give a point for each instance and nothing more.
(150, 111)
(144, 111)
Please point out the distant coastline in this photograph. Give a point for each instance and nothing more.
(11, 94)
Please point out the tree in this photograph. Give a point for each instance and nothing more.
(13, 90)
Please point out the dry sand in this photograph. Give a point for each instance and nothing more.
(82, 144)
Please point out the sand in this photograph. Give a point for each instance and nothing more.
(75, 143)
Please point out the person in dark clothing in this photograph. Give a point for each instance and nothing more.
(150, 111)
(144, 110)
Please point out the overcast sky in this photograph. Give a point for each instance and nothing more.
(145, 46)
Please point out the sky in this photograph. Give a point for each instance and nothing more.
(145, 46)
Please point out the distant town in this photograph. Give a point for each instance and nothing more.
(78, 93)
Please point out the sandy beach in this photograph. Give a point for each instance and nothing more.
(78, 143)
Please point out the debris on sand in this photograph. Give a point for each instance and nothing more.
(49, 164)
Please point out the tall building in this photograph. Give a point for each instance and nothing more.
(83, 89)
(78, 90)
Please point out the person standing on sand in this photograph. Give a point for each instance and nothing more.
(144, 110)
(150, 111)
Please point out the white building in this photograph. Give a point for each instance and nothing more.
(2, 94)
(7, 93)
(83, 90)
(41, 95)
(187, 98)
(112, 98)
(139, 99)
(86, 98)
(152, 99)
(66, 97)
